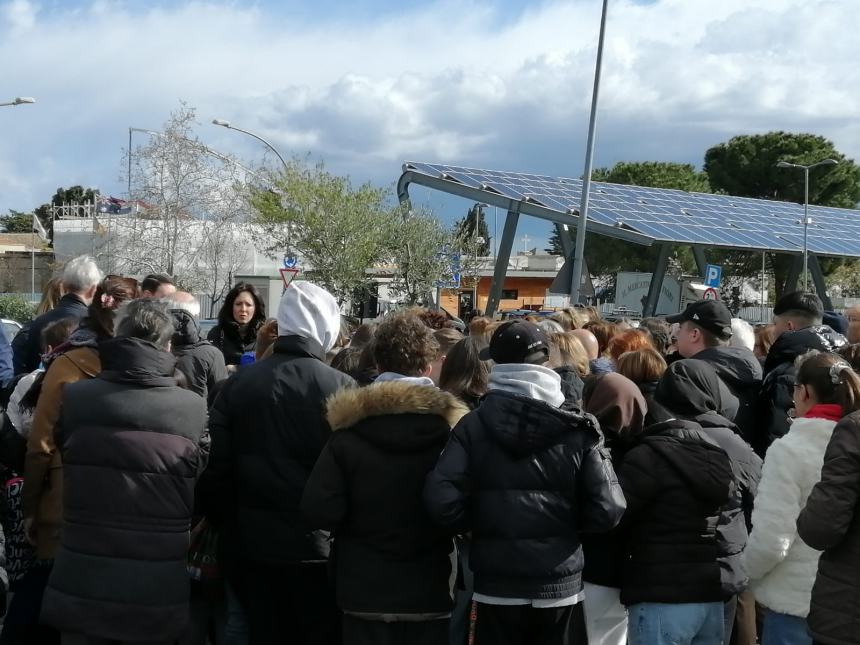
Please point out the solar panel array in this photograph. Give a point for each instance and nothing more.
(672, 215)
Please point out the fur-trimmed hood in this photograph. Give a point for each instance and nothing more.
(349, 407)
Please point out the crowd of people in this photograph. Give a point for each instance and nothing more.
(561, 480)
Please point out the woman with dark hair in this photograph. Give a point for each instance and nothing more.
(463, 373)
(240, 318)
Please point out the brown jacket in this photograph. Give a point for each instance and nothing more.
(831, 523)
(43, 468)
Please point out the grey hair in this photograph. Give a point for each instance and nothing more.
(81, 273)
(550, 326)
(184, 301)
(743, 334)
(146, 319)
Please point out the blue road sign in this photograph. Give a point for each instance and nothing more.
(713, 273)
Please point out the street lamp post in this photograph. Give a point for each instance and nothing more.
(226, 124)
(806, 220)
(579, 247)
(19, 100)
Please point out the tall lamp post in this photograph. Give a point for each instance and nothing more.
(579, 247)
(19, 100)
(806, 220)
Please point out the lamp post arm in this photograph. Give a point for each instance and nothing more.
(264, 142)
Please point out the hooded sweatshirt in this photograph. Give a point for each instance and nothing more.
(533, 381)
(620, 409)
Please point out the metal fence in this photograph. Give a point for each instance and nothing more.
(754, 315)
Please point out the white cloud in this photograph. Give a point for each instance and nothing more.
(451, 81)
(19, 15)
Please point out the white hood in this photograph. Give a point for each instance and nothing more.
(534, 381)
(311, 312)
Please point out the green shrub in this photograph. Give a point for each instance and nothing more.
(16, 308)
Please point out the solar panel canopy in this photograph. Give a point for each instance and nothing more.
(663, 215)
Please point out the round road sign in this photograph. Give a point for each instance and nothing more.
(711, 294)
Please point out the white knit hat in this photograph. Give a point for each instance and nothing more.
(309, 311)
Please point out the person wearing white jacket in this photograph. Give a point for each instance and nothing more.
(780, 565)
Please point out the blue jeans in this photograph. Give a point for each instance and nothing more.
(782, 629)
(236, 627)
(654, 623)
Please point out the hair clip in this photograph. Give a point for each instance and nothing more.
(836, 369)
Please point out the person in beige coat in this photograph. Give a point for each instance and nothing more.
(78, 359)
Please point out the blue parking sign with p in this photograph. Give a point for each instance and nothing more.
(713, 273)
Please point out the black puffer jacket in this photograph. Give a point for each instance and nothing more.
(741, 372)
(526, 478)
(830, 522)
(268, 428)
(133, 444)
(200, 361)
(734, 527)
(777, 390)
(691, 389)
(233, 340)
(675, 480)
(366, 488)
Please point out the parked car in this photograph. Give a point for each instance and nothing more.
(10, 328)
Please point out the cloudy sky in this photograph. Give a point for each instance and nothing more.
(368, 84)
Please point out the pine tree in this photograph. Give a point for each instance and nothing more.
(474, 225)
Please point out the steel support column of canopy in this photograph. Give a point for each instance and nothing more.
(793, 275)
(656, 282)
(701, 261)
(501, 268)
(566, 241)
(818, 280)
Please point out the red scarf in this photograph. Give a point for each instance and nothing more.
(829, 411)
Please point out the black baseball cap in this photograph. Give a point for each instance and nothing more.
(517, 341)
(711, 315)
